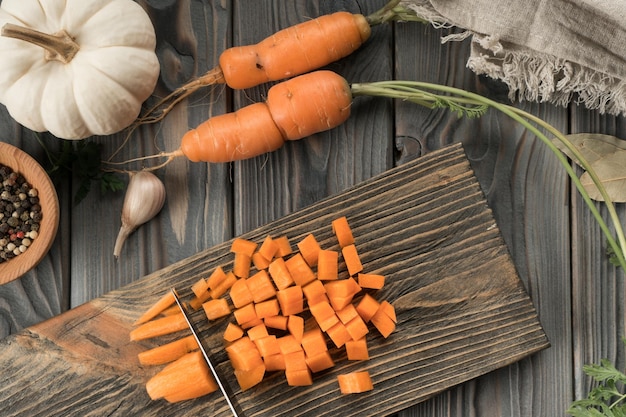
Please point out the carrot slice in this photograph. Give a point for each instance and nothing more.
(185, 378)
(355, 382)
(280, 274)
(372, 281)
(157, 308)
(261, 287)
(352, 259)
(291, 300)
(276, 322)
(233, 332)
(342, 231)
(217, 308)
(268, 248)
(327, 265)
(169, 352)
(242, 264)
(309, 248)
(300, 271)
(245, 246)
(159, 327)
(357, 350)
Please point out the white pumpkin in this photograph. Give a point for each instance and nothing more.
(100, 89)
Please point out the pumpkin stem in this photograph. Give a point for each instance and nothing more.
(59, 46)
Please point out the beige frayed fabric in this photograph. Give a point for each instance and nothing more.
(555, 51)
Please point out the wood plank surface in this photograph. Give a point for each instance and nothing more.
(462, 310)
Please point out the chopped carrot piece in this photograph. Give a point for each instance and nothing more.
(157, 308)
(295, 361)
(261, 287)
(196, 302)
(372, 281)
(267, 308)
(291, 300)
(347, 313)
(313, 342)
(314, 292)
(159, 327)
(309, 248)
(267, 345)
(338, 334)
(257, 332)
(268, 248)
(243, 354)
(295, 325)
(245, 314)
(249, 324)
(357, 328)
(357, 350)
(169, 352)
(355, 382)
(342, 231)
(185, 378)
(217, 308)
(352, 259)
(171, 310)
(249, 378)
(259, 261)
(224, 285)
(340, 303)
(284, 246)
(383, 323)
(200, 287)
(342, 288)
(274, 362)
(288, 344)
(240, 294)
(299, 377)
(300, 271)
(245, 246)
(232, 332)
(367, 307)
(216, 278)
(241, 265)
(327, 265)
(321, 361)
(324, 315)
(276, 322)
(389, 310)
(280, 274)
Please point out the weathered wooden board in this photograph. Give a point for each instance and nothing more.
(462, 311)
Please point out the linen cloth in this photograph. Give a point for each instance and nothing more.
(557, 51)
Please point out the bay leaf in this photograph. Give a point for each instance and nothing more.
(607, 156)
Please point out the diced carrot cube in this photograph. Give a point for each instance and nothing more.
(383, 323)
(291, 300)
(274, 362)
(276, 322)
(249, 378)
(342, 288)
(313, 342)
(321, 311)
(245, 314)
(357, 328)
(217, 308)
(249, 324)
(280, 274)
(389, 310)
(352, 259)
(347, 313)
(309, 248)
(357, 350)
(268, 248)
(240, 294)
(342, 231)
(338, 334)
(288, 344)
(367, 307)
(267, 345)
(224, 285)
(217, 276)
(267, 308)
(241, 265)
(340, 303)
(261, 287)
(284, 246)
(300, 271)
(196, 302)
(200, 287)
(327, 265)
(299, 378)
(257, 332)
(295, 325)
(232, 332)
(372, 281)
(314, 292)
(355, 382)
(243, 354)
(295, 361)
(319, 362)
(245, 246)
(259, 261)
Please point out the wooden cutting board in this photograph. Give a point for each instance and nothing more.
(462, 311)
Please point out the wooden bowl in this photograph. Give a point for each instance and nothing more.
(37, 177)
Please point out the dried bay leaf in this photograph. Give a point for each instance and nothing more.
(607, 156)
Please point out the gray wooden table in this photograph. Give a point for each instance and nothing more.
(556, 246)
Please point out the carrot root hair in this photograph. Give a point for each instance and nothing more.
(169, 157)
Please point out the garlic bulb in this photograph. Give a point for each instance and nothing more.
(144, 199)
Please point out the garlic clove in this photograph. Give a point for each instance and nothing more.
(144, 199)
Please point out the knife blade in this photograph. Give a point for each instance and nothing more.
(205, 354)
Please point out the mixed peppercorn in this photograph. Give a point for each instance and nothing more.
(20, 213)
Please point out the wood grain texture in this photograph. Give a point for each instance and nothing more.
(462, 310)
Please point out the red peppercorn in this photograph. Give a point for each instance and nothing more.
(20, 235)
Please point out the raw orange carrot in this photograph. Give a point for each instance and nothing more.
(389, 310)
(347, 313)
(224, 285)
(259, 261)
(243, 354)
(274, 362)
(357, 350)
(216, 308)
(338, 333)
(257, 332)
(342, 288)
(314, 292)
(324, 314)
(157, 308)
(261, 287)
(295, 325)
(216, 278)
(171, 310)
(169, 352)
(313, 342)
(240, 294)
(288, 344)
(197, 301)
(342, 231)
(241, 265)
(276, 322)
(291, 300)
(200, 287)
(245, 314)
(268, 248)
(267, 308)
(383, 323)
(267, 345)
(352, 259)
(284, 246)
(320, 361)
(299, 270)
(247, 378)
(185, 378)
(159, 327)
(355, 382)
(299, 377)
(309, 248)
(372, 281)
(232, 332)
(241, 245)
(327, 265)
(357, 328)
(280, 274)
(367, 307)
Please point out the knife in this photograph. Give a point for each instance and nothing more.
(205, 354)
